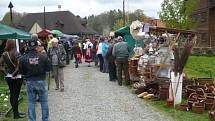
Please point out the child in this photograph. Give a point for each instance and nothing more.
(77, 53)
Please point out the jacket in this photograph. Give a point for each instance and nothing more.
(34, 66)
(59, 51)
(105, 46)
(109, 55)
(121, 50)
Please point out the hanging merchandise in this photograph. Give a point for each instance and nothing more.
(135, 28)
(138, 51)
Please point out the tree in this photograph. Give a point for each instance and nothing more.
(16, 17)
(118, 24)
(178, 13)
(113, 20)
(136, 15)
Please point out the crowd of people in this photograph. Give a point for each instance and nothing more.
(35, 60)
(111, 55)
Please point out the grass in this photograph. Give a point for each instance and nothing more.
(200, 66)
(23, 106)
(176, 114)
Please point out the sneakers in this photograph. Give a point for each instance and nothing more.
(20, 115)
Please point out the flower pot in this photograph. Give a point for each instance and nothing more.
(170, 103)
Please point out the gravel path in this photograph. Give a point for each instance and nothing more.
(89, 96)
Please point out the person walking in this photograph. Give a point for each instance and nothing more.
(88, 52)
(57, 56)
(94, 51)
(67, 49)
(13, 77)
(76, 50)
(99, 54)
(111, 62)
(105, 46)
(34, 66)
(121, 52)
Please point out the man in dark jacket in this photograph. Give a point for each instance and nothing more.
(34, 67)
(121, 52)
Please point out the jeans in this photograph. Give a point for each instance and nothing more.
(67, 58)
(15, 87)
(95, 58)
(105, 65)
(39, 88)
(101, 62)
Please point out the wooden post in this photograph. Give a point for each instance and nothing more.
(11, 14)
(123, 13)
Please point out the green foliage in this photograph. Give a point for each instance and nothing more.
(118, 24)
(4, 102)
(136, 15)
(200, 66)
(178, 13)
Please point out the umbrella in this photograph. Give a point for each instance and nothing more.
(58, 33)
(7, 32)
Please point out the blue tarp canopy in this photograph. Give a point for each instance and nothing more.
(69, 37)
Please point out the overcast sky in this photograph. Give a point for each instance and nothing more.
(81, 7)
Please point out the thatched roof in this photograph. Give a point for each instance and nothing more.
(64, 21)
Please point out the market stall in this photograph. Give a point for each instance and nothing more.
(7, 32)
(157, 67)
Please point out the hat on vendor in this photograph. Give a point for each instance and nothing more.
(54, 40)
(32, 43)
(120, 39)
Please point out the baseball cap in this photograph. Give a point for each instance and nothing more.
(33, 41)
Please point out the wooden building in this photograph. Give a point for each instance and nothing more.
(205, 17)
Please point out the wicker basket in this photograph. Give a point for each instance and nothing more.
(192, 99)
(209, 104)
(201, 98)
(198, 107)
(184, 107)
(192, 89)
(210, 95)
(200, 91)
